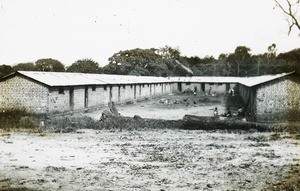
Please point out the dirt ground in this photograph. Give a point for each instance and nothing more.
(152, 159)
(144, 160)
(172, 107)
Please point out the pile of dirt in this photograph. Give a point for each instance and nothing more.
(192, 122)
(138, 123)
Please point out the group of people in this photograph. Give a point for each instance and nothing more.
(228, 112)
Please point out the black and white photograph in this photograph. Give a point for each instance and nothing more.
(139, 95)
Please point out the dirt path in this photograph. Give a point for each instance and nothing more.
(143, 160)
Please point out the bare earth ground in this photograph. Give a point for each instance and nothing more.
(143, 160)
(173, 107)
(147, 160)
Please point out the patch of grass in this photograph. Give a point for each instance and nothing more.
(19, 119)
(289, 182)
(67, 124)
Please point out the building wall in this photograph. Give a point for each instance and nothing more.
(59, 102)
(20, 93)
(192, 86)
(128, 93)
(97, 95)
(278, 100)
(248, 95)
(218, 88)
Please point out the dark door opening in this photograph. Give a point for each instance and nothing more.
(134, 91)
(227, 87)
(203, 87)
(119, 93)
(179, 86)
(110, 93)
(71, 101)
(86, 96)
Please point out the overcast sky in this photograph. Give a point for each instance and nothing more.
(68, 30)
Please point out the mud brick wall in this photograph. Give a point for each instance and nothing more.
(114, 93)
(168, 88)
(158, 89)
(278, 100)
(59, 102)
(98, 96)
(145, 90)
(219, 88)
(128, 93)
(21, 93)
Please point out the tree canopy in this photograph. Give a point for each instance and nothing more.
(29, 66)
(168, 61)
(146, 62)
(84, 66)
(5, 70)
(49, 65)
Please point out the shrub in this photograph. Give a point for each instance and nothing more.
(27, 122)
(16, 119)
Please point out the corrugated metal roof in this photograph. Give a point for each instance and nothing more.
(247, 81)
(206, 79)
(256, 80)
(73, 79)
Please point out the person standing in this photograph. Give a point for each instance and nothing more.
(215, 111)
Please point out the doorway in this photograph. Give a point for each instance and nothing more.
(86, 96)
(179, 86)
(227, 87)
(71, 96)
(203, 87)
(110, 93)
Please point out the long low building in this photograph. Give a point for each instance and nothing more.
(274, 98)
(266, 98)
(50, 92)
(203, 84)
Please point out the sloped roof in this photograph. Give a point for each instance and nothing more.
(247, 81)
(256, 80)
(75, 79)
(206, 79)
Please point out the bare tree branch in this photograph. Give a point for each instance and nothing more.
(291, 12)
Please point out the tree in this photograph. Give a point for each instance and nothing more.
(291, 9)
(169, 52)
(290, 60)
(49, 65)
(241, 58)
(138, 62)
(5, 70)
(272, 51)
(84, 66)
(25, 67)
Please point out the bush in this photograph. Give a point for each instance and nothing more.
(27, 122)
(18, 119)
(67, 124)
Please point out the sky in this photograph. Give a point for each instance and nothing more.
(69, 30)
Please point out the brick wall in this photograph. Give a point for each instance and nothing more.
(219, 88)
(278, 100)
(20, 93)
(59, 101)
(97, 96)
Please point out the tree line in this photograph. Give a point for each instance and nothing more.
(168, 61)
